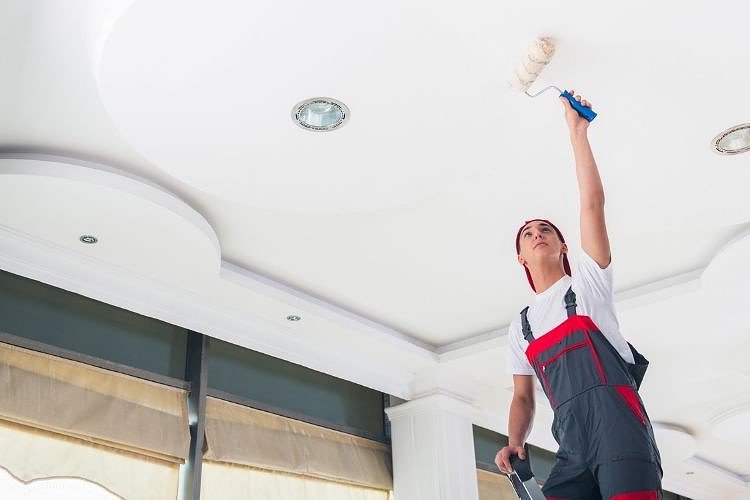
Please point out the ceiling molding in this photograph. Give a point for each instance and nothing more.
(53, 264)
(99, 174)
(742, 479)
(666, 288)
(494, 339)
(729, 266)
(71, 168)
(324, 309)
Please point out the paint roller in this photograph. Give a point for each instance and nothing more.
(537, 57)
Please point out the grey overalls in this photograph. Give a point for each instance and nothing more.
(607, 447)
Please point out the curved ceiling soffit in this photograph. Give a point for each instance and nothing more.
(732, 424)
(190, 100)
(674, 440)
(100, 30)
(140, 191)
(729, 268)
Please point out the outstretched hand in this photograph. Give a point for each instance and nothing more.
(576, 123)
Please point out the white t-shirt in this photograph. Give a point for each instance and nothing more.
(594, 298)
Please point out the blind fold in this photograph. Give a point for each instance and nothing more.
(237, 434)
(223, 481)
(30, 454)
(90, 403)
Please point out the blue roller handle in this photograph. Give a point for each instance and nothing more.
(585, 112)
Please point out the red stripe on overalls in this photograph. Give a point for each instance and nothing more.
(573, 324)
(558, 333)
(637, 495)
(631, 398)
(554, 336)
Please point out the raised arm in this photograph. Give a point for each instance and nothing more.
(520, 420)
(594, 239)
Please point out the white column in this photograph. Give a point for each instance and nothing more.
(433, 449)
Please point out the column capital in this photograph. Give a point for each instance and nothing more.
(437, 401)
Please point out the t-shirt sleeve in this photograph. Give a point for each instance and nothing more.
(518, 364)
(597, 282)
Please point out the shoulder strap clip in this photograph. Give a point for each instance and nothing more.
(525, 327)
(570, 302)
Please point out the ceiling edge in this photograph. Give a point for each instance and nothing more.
(43, 261)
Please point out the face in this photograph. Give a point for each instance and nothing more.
(538, 242)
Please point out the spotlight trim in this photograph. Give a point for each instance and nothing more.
(715, 144)
(300, 106)
(88, 239)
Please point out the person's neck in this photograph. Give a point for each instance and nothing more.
(544, 278)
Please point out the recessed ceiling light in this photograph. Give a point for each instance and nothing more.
(733, 140)
(320, 114)
(293, 317)
(88, 239)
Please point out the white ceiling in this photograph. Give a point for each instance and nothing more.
(164, 128)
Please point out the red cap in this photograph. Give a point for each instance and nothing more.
(566, 264)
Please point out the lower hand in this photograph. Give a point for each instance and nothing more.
(502, 459)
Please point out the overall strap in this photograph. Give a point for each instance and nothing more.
(525, 327)
(570, 302)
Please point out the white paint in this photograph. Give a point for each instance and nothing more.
(27, 256)
(733, 424)
(245, 149)
(674, 441)
(298, 299)
(139, 225)
(418, 292)
(740, 479)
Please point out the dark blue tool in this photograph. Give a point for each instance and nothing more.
(585, 112)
